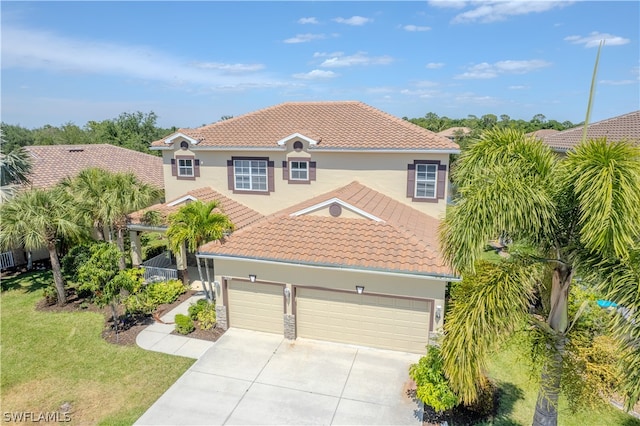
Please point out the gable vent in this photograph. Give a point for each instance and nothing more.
(76, 150)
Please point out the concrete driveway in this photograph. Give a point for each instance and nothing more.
(256, 378)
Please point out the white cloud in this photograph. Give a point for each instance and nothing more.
(229, 68)
(493, 11)
(425, 83)
(356, 21)
(303, 38)
(594, 38)
(315, 75)
(434, 65)
(486, 70)
(327, 55)
(518, 87)
(40, 50)
(415, 28)
(360, 58)
(310, 20)
(452, 4)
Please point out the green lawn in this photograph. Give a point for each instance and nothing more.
(510, 368)
(48, 359)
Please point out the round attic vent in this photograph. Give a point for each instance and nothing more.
(184, 145)
(335, 210)
(297, 146)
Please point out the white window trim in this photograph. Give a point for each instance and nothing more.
(266, 176)
(192, 167)
(434, 180)
(291, 170)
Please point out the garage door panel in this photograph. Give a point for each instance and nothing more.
(255, 306)
(377, 321)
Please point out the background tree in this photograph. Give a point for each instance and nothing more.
(563, 217)
(195, 224)
(39, 218)
(15, 167)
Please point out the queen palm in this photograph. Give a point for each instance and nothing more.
(15, 167)
(195, 224)
(563, 216)
(39, 218)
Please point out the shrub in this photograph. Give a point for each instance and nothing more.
(207, 316)
(50, 294)
(165, 292)
(196, 308)
(432, 385)
(184, 324)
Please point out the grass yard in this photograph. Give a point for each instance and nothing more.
(48, 359)
(510, 368)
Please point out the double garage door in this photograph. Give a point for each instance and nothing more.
(369, 320)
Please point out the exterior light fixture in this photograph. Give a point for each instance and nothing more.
(287, 293)
(359, 289)
(438, 312)
(252, 278)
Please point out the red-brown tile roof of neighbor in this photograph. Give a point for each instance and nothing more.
(542, 132)
(454, 131)
(404, 241)
(334, 125)
(239, 214)
(53, 163)
(623, 127)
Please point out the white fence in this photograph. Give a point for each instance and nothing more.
(160, 268)
(6, 260)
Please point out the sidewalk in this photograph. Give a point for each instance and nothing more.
(157, 337)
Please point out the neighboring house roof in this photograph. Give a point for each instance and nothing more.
(542, 133)
(623, 127)
(239, 214)
(53, 163)
(389, 236)
(452, 132)
(331, 125)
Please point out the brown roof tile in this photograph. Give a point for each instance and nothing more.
(623, 127)
(53, 163)
(334, 125)
(404, 241)
(239, 214)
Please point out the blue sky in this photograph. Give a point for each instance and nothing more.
(194, 62)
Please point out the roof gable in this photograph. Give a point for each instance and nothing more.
(345, 125)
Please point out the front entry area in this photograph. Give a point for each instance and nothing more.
(385, 322)
(255, 306)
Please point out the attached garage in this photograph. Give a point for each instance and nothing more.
(255, 306)
(370, 320)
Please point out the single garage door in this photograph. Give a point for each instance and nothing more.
(375, 321)
(255, 306)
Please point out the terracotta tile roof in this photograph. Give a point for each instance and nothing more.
(239, 214)
(453, 131)
(52, 163)
(542, 133)
(625, 126)
(404, 241)
(334, 125)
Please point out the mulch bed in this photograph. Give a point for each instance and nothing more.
(130, 326)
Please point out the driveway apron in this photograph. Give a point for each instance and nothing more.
(254, 378)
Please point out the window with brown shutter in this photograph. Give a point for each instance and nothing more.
(185, 167)
(426, 181)
(250, 175)
(299, 170)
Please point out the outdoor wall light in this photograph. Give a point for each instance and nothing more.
(359, 289)
(216, 284)
(438, 312)
(287, 293)
(252, 278)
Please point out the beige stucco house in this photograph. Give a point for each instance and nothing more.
(336, 207)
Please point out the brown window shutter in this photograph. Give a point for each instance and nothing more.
(312, 170)
(285, 170)
(174, 167)
(411, 180)
(230, 174)
(442, 181)
(270, 178)
(196, 168)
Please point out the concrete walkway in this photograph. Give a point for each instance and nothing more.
(157, 337)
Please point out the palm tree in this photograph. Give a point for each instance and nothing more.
(195, 224)
(15, 167)
(563, 216)
(105, 199)
(38, 218)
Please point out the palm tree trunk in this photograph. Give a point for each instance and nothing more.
(546, 413)
(120, 242)
(57, 274)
